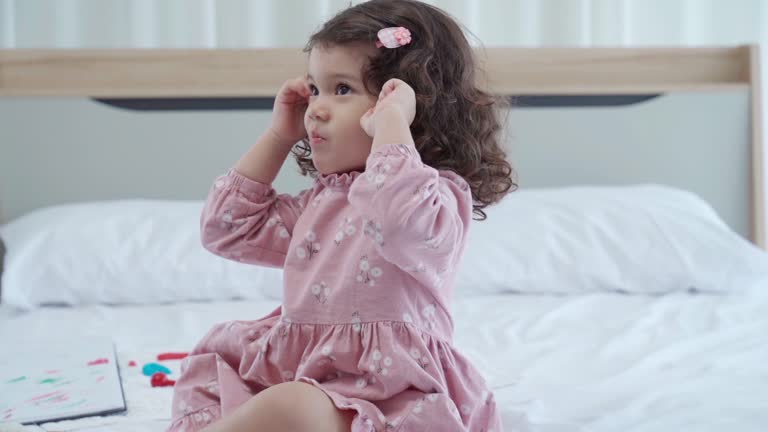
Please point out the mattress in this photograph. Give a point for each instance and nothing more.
(587, 362)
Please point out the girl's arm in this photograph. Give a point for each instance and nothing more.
(421, 214)
(417, 216)
(244, 219)
(262, 162)
(397, 128)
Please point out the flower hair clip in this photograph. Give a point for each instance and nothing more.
(393, 37)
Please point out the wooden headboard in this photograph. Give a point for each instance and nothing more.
(207, 73)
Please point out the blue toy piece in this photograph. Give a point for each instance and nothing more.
(150, 369)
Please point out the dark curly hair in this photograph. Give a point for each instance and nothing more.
(457, 125)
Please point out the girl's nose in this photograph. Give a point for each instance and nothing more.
(318, 112)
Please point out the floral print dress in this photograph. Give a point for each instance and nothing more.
(369, 263)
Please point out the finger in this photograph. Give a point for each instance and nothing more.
(299, 87)
(391, 85)
(389, 88)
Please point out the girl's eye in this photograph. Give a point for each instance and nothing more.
(343, 89)
(313, 90)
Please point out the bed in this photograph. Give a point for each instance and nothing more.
(623, 287)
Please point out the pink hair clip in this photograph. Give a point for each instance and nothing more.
(393, 37)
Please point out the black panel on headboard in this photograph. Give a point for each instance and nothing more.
(266, 103)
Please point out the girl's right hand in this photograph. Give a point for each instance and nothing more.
(288, 113)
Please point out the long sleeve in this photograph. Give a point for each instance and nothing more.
(418, 216)
(248, 221)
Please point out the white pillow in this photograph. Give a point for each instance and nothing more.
(635, 239)
(646, 239)
(132, 251)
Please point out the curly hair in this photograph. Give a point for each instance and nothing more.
(457, 125)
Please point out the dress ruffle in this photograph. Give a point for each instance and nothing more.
(338, 180)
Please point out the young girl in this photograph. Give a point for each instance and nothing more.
(403, 147)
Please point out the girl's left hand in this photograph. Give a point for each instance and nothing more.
(395, 95)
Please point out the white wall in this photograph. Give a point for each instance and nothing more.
(240, 23)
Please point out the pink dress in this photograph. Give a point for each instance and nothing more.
(370, 259)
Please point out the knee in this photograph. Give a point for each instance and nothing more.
(297, 405)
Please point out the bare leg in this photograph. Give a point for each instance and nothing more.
(289, 407)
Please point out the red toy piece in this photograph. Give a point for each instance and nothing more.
(131, 363)
(160, 379)
(171, 356)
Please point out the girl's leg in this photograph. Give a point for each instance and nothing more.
(291, 407)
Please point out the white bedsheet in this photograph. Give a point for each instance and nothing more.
(597, 362)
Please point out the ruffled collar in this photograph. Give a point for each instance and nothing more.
(338, 180)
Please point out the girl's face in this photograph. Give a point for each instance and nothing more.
(338, 100)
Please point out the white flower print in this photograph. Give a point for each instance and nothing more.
(365, 380)
(276, 220)
(432, 242)
(372, 229)
(391, 424)
(227, 217)
(309, 247)
(421, 360)
(284, 325)
(422, 192)
(328, 356)
(429, 315)
(367, 275)
(212, 387)
(207, 417)
(319, 197)
(320, 291)
(228, 223)
(301, 252)
(377, 174)
(429, 310)
(452, 408)
(183, 407)
(432, 397)
(346, 228)
(407, 317)
(465, 410)
(376, 366)
(419, 268)
(419, 406)
(356, 323)
(287, 375)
